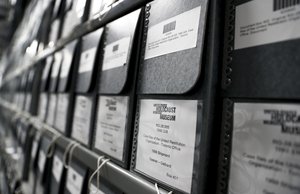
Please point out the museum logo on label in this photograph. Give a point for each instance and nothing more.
(165, 112)
(289, 120)
(111, 104)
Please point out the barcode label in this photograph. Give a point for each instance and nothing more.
(282, 4)
(169, 27)
(116, 53)
(277, 21)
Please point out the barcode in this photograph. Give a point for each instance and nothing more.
(115, 48)
(282, 4)
(169, 27)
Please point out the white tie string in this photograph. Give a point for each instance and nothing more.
(97, 171)
(70, 145)
(50, 150)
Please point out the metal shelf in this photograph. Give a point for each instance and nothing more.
(121, 9)
(123, 179)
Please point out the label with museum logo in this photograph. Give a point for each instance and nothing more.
(111, 124)
(265, 154)
(166, 141)
(82, 117)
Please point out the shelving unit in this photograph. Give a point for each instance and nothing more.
(174, 96)
(122, 8)
(117, 176)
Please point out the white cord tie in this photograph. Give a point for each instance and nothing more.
(68, 148)
(97, 171)
(71, 152)
(50, 150)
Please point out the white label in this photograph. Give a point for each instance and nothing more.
(54, 31)
(43, 106)
(67, 62)
(71, 20)
(172, 35)
(61, 112)
(116, 54)
(263, 22)
(111, 123)
(57, 168)
(80, 7)
(34, 149)
(87, 60)
(56, 65)
(265, 154)
(82, 117)
(74, 181)
(94, 189)
(28, 102)
(166, 141)
(95, 9)
(51, 109)
(42, 161)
